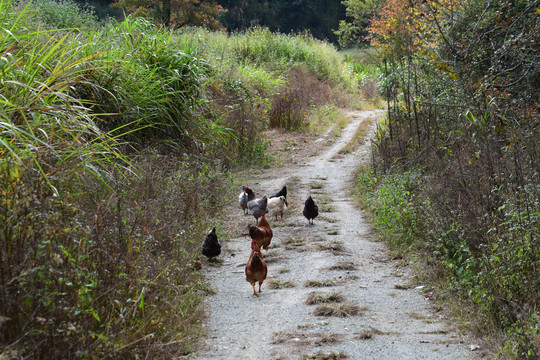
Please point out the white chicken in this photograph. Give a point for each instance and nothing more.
(276, 206)
(245, 196)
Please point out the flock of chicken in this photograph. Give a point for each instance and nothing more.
(261, 234)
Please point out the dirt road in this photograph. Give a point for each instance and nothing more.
(378, 311)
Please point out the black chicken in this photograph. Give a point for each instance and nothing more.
(282, 192)
(211, 246)
(311, 210)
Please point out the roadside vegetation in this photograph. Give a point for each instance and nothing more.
(455, 175)
(118, 148)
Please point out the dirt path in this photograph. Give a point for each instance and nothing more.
(391, 318)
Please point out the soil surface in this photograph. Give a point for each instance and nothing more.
(379, 311)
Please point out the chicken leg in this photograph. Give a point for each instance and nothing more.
(255, 292)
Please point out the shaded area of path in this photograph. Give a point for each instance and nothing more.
(384, 315)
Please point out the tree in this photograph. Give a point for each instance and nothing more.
(319, 17)
(176, 13)
(352, 31)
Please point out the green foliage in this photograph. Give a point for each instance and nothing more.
(63, 14)
(278, 78)
(120, 263)
(157, 80)
(260, 46)
(353, 31)
(461, 109)
(391, 200)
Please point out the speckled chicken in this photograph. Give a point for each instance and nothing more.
(311, 210)
(245, 196)
(256, 268)
(257, 207)
(211, 246)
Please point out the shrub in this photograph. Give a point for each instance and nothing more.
(64, 14)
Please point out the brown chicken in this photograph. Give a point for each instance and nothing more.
(256, 269)
(261, 233)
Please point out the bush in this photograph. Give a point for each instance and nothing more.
(64, 14)
(108, 273)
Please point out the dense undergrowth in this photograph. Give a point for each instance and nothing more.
(456, 172)
(117, 146)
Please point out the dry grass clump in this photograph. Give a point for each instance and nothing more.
(325, 356)
(325, 208)
(273, 257)
(306, 338)
(293, 242)
(319, 283)
(348, 266)
(333, 232)
(280, 284)
(402, 286)
(317, 185)
(315, 298)
(339, 310)
(369, 333)
(334, 246)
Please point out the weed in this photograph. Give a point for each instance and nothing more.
(293, 242)
(402, 286)
(319, 283)
(339, 310)
(343, 266)
(317, 185)
(326, 208)
(369, 333)
(333, 246)
(279, 284)
(325, 356)
(315, 298)
(301, 339)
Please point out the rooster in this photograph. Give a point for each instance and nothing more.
(256, 268)
(276, 206)
(282, 192)
(257, 207)
(261, 233)
(211, 246)
(311, 210)
(245, 196)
